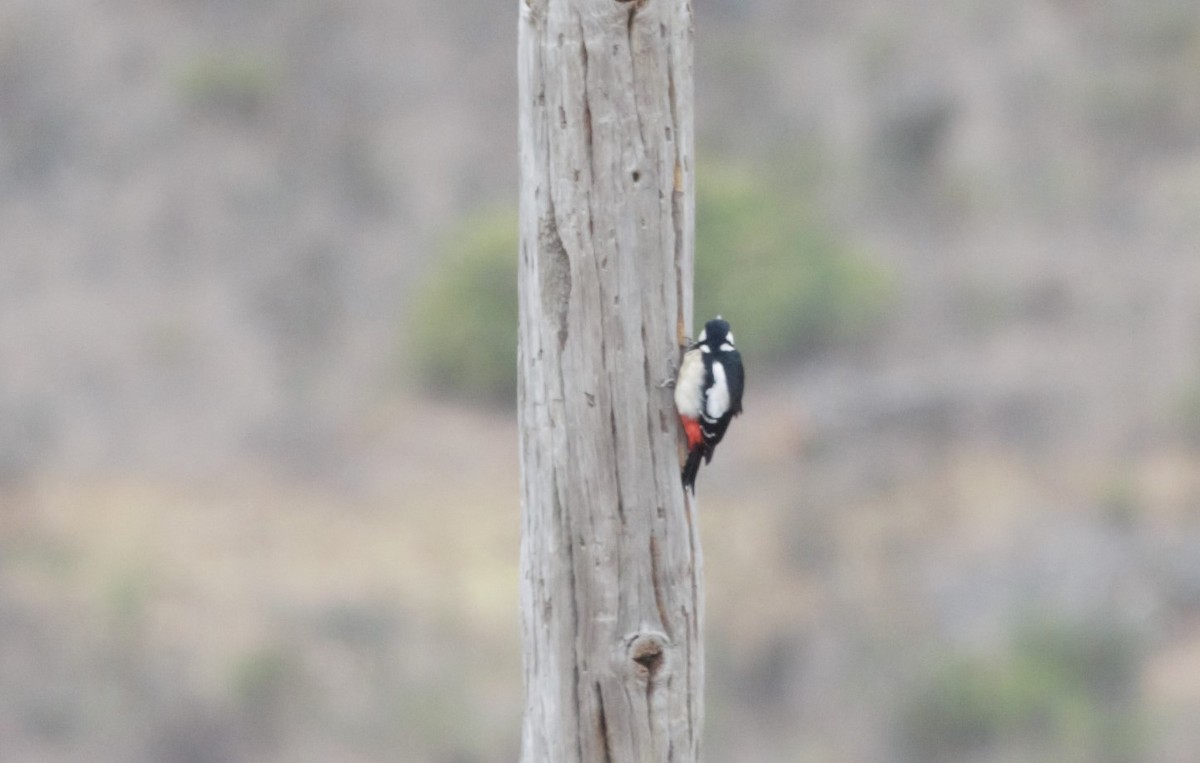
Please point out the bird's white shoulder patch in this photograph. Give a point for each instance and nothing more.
(726, 347)
(717, 402)
(689, 386)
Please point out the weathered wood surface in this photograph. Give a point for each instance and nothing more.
(610, 557)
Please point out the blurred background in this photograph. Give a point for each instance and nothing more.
(258, 472)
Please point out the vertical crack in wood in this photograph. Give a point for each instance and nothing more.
(688, 643)
(555, 273)
(657, 581)
(578, 709)
(587, 106)
(670, 689)
(648, 379)
(694, 621)
(602, 724)
(677, 217)
(567, 531)
(651, 685)
(612, 410)
(637, 108)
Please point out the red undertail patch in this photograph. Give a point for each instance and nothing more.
(692, 428)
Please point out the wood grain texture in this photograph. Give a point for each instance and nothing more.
(610, 558)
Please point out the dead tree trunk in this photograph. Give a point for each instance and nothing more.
(610, 557)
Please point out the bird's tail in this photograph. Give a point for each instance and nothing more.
(691, 468)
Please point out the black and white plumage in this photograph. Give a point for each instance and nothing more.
(708, 393)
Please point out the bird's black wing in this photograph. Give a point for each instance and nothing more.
(714, 429)
(735, 377)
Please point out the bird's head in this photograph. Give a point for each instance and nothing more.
(716, 336)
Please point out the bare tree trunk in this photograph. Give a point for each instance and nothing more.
(611, 588)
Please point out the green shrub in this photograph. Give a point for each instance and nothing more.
(1184, 412)
(236, 84)
(1059, 692)
(266, 688)
(790, 287)
(465, 319)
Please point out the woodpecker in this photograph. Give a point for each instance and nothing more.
(708, 393)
